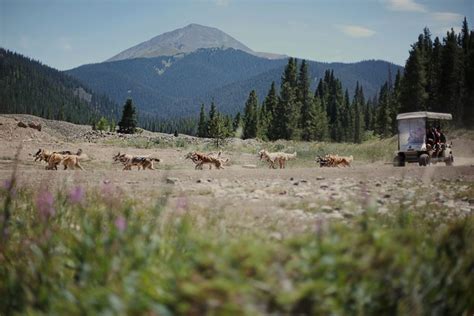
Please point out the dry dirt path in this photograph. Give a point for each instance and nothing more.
(293, 198)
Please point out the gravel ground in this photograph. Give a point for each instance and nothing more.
(247, 191)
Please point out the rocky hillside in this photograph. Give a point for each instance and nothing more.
(186, 40)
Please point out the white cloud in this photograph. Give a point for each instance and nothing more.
(447, 17)
(405, 5)
(356, 31)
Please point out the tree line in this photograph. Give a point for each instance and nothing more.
(438, 76)
(29, 87)
(295, 112)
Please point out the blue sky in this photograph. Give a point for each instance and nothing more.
(68, 33)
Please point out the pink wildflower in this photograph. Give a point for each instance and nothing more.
(76, 195)
(182, 203)
(121, 223)
(45, 204)
(9, 185)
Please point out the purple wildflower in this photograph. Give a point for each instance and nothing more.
(182, 203)
(45, 204)
(9, 185)
(76, 195)
(121, 223)
(109, 193)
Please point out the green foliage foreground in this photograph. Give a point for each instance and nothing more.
(78, 252)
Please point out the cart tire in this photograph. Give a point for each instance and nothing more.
(424, 160)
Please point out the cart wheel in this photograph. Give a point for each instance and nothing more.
(424, 160)
(398, 161)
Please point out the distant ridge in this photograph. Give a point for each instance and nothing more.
(187, 40)
(173, 87)
(32, 88)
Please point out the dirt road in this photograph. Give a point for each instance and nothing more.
(275, 197)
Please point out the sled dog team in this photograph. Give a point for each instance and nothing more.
(71, 160)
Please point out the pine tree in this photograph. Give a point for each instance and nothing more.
(289, 81)
(435, 77)
(396, 101)
(467, 44)
(319, 125)
(271, 100)
(309, 120)
(284, 118)
(335, 101)
(271, 103)
(451, 79)
(229, 128)
(469, 84)
(251, 116)
(202, 125)
(290, 73)
(369, 113)
(264, 118)
(413, 94)
(237, 122)
(329, 92)
(219, 131)
(219, 128)
(128, 123)
(357, 104)
(308, 108)
(346, 119)
(383, 119)
(213, 123)
(425, 45)
(465, 37)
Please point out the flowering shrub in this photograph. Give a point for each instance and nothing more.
(100, 253)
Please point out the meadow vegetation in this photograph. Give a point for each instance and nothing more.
(98, 251)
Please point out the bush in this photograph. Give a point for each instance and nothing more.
(102, 124)
(96, 252)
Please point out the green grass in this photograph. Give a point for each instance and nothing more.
(104, 253)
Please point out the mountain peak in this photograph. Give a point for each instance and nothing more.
(183, 41)
(195, 25)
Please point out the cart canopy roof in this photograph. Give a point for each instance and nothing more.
(429, 115)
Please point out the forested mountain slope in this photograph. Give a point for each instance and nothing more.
(27, 86)
(176, 86)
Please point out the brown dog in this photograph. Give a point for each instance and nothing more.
(69, 161)
(201, 159)
(334, 161)
(142, 162)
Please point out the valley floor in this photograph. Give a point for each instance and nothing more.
(288, 200)
(246, 240)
